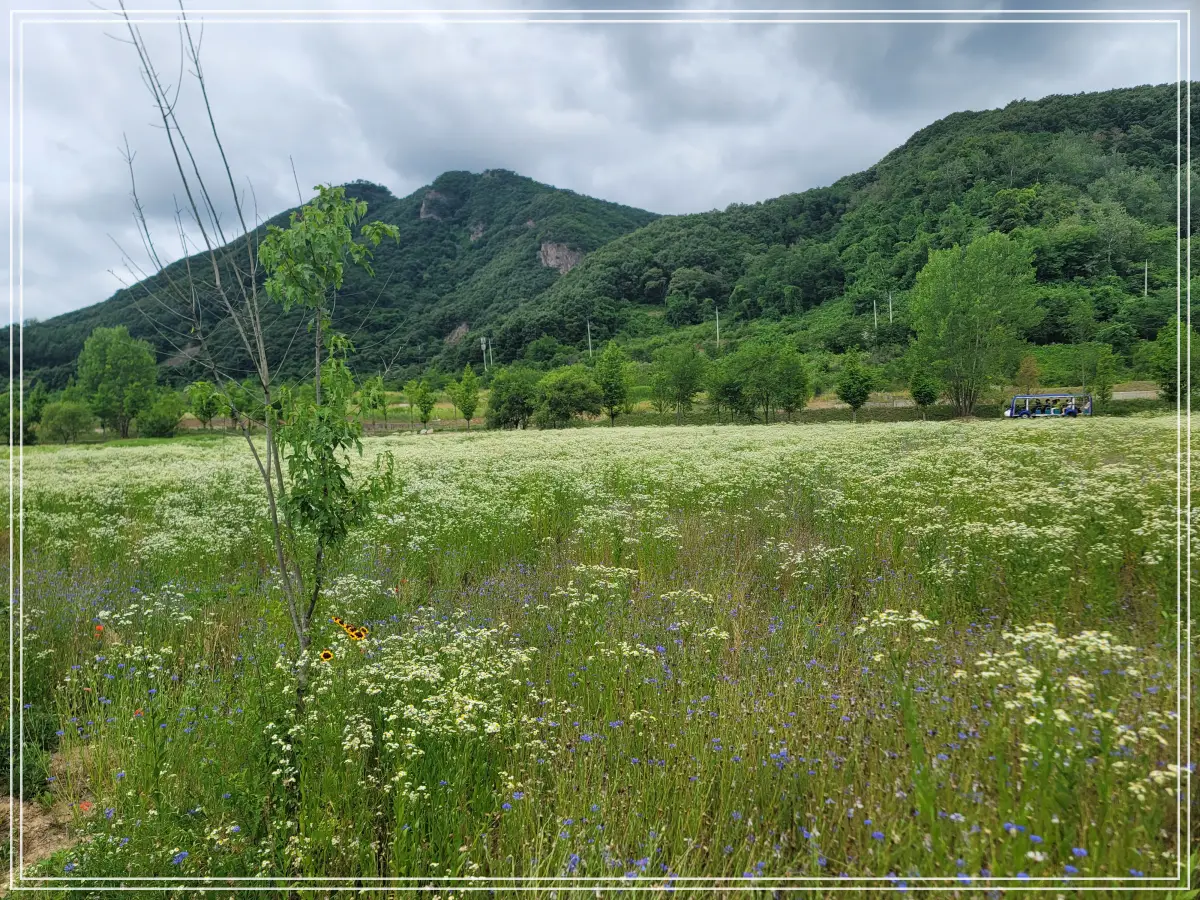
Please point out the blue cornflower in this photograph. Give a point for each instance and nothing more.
(236, 828)
(737, 816)
(1079, 851)
(1035, 838)
(878, 835)
(1070, 870)
(69, 867)
(506, 806)
(518, 795)
(179, 857)
(108, 813)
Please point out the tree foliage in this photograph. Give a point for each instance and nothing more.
(970, 308)
(117, 374)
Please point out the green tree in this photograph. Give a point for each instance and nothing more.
(1170, 347)
(683, 367)
(723, 387)
(372, 398)
(411, 388)
(564, 394)
(117, 375)
(924, 388)
(161, 418)
(754, 372)
(970, 308)
(35, 402)
(305, 265)
(854, 384)
(1028, 375)
(1104, 375)
(464, 394)
(426, 400)
(660, 392)
(792, 384)
(512, 398)
(204, 401)
(64, 421)
(612, 375)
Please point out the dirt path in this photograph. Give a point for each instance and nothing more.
(42, 831)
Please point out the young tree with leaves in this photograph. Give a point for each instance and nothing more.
(970, 309)
(854, 384)
(117, 375)
(372, 398)
(612, 375)
(660, 392)
(204, 402)
(305, 265)
(1028, 375)
(1169, 349)
(512, 398)
(924, 388)
(464, 394)
(426, 400)
(683, 367)
(791, 381)
(566, 393)
(65, 420)
(161, 418)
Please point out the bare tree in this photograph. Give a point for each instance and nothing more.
(230, 275)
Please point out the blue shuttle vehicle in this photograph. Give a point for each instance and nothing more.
(1040, 406)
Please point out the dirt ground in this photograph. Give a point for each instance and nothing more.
(44, 831)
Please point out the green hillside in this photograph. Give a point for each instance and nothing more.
(469, 253)
(1086, 182)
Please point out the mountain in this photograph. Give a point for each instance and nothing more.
(472, 248)
(1086, 182)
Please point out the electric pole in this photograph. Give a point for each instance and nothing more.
(589, 325)
(875, 309)
(889, 307)
(1146, 278)
(483, 347)
(718, 312)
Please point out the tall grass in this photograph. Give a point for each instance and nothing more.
(798, 651)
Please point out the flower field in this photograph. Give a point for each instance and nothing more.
(923, 654)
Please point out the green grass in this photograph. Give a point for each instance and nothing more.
(626, 653)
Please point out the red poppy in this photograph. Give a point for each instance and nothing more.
(99, 628)
(137, 712)
(85, 806)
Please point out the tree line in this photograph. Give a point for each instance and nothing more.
(971, 309)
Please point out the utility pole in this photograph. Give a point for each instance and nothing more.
(718, 312)
(491, 351)
(589, 325)
(483, 347)
(1146, 279)
(875, 309)
(889, 307)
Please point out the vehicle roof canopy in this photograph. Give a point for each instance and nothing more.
(1048, 396)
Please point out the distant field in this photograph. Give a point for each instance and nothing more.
(936, 649)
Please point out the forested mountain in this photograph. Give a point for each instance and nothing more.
(472, 248)
(1086, 182)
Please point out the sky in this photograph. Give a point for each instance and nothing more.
(673, 117)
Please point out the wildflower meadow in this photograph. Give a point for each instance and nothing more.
(902, 657)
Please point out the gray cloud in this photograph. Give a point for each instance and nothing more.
(670, 117)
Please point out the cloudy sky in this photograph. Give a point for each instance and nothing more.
(671, 117)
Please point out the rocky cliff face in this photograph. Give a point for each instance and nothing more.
(559, 256)
(476, 231)
(432, 205)
(457, 334)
